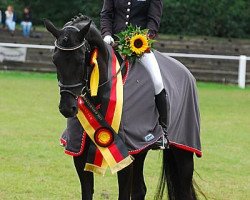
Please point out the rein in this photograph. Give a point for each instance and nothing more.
(114, 76)
(85, 88)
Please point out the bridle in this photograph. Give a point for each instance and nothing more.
(70, 48)
(67, 87)
(85, 89)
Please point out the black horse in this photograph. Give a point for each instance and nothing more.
(73, 45)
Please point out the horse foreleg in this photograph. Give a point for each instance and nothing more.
(86, 178)
(139, 188)
(131, 180)
(125, 178)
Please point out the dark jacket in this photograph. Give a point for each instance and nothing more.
(27, 17)
(117, 14)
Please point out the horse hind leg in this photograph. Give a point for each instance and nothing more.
(177, 174)
(169, 177)
(182, 174)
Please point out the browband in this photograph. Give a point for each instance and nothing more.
(70, 48)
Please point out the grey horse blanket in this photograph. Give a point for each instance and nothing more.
(139, 124)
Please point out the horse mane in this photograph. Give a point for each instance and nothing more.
(79, 20)
(94, 36)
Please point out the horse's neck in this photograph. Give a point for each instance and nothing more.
(95, 39)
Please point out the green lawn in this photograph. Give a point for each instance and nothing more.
(34, 166)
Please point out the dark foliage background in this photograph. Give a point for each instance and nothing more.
(223, 18)
(58, 11)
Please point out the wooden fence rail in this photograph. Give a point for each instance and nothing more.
(40, 60)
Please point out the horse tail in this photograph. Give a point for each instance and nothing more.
(170, 178)
(166, 177)
(198, 188)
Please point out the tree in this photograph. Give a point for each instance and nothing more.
(223, 18)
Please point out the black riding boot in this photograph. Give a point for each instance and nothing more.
(161, 105)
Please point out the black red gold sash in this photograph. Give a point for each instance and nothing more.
(109, 150)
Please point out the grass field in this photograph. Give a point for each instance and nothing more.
(33, 165)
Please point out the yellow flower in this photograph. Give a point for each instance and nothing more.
(139, 44)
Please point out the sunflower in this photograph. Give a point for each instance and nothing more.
(133, 42)
(139, 44)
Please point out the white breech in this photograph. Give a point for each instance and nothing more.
(151, 64)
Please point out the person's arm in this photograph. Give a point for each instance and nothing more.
(107, 14)
(154, 16)
(6, 14)
(14, 17)
(30, 16)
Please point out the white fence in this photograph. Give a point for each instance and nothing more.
(242, 63)
(32, 46)
(241, 69)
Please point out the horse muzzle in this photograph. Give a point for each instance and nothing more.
(68, 106)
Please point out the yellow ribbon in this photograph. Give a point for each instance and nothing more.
(94, 77)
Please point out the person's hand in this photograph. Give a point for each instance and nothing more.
(109, 40)
(151, 34)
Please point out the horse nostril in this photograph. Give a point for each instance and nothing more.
(68, 106)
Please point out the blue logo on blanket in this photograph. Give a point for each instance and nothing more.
(149, 137)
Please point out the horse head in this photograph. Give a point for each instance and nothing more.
(69, 58)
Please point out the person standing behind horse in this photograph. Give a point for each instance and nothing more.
(26, 22)
(10, 19)
(116, 15)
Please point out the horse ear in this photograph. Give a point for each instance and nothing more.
(84, 31)
(51, 28)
